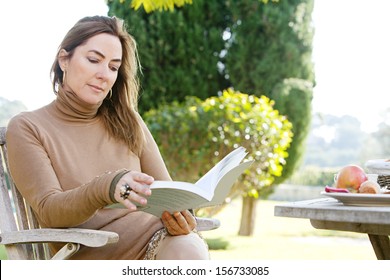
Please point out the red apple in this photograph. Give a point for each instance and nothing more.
(350, 177)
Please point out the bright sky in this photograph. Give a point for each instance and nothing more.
(352, 59)
(30, 32)
(351, 52)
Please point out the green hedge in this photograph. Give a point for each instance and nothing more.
(196, 134)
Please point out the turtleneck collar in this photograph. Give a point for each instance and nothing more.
(72, 108)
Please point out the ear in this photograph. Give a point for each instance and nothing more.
(63, 58)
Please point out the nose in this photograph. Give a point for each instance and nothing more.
(103, 73)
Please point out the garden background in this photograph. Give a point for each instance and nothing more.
(228, 73)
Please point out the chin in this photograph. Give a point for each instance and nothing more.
(93, 100)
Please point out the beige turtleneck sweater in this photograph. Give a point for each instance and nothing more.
(63, 162)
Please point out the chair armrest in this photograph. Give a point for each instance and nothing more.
(87, 237)
(204, 224)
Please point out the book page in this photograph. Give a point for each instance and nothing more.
(179, 196)
(209, 181)
(184, 186)
(226, 183)
(171, 200)
(232, 162)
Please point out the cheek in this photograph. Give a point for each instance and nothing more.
(80, 72)
(113, 78)
(73, 79)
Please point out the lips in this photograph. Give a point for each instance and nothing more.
(96, 88)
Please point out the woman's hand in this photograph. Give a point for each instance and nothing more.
(179, 223)
(138, 185)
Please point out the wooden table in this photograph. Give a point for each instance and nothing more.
(329, 213)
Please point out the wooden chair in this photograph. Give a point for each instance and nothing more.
(20, 232)
(24, 239)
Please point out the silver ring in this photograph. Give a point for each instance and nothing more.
(125, 191)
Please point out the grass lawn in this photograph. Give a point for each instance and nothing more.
(278, 238)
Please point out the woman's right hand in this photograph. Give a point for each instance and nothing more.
(139, 185)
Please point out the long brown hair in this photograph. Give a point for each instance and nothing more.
(119, 112)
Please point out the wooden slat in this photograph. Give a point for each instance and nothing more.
(2, 135)
(17, 199)
(381, 246)
(379, 229)
(66, 252)
(40, 250)
(204, 224)
(331, 210)
(17, 202)
(7, 221)
(87, 237)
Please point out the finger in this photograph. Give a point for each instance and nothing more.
(129, 205)
(139, 177)
(182, 224)
(170, 224)
(125, 193)
(135, 197)
(140, 188)
(168, 220)
(181, 220)
(191, 220)
(139, 182)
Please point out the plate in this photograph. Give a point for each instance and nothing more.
(360, 199)
(379, 166)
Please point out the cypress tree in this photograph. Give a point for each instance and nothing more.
(179, 50)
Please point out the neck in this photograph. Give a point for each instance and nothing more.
(73, 107)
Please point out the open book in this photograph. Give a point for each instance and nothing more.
(210, 190)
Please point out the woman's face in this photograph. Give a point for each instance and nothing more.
(92, 70)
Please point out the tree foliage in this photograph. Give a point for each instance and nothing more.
(179, 51)
(158, 5)
(165, 5)
(293, 98)
(269, 43)
(194, 135)
(203, 48)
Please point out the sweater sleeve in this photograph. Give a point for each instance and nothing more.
(35, 178)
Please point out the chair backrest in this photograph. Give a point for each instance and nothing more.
(15, 213)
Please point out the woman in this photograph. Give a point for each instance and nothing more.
(90, 148)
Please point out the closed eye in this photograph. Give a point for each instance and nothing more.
(114, 68)
(93, 60)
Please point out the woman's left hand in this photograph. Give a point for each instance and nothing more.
(179, 223)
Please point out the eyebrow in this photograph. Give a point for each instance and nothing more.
(102, 55)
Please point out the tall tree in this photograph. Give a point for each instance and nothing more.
(293, 98)
(179, 51)
(269, 43)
